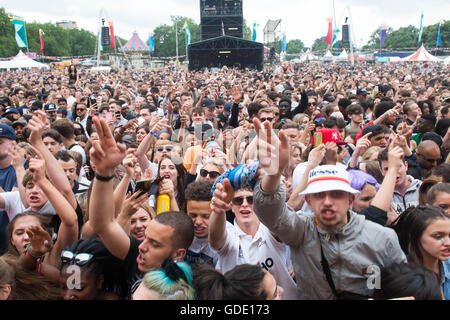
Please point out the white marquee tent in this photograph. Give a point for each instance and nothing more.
(421, 55)
(328, 56)
(21, 61)
(343, 57)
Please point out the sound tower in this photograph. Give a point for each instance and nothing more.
(345, 34)
(106, 40)
(221, 17)
(222, 39)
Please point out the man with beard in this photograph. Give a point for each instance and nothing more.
(18, 126)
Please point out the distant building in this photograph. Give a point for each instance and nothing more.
(67, 24)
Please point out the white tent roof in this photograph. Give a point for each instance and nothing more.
(447, 60)
(343, 56)
(308, 56)
(328, 56)
(21, 61)
(421, 55)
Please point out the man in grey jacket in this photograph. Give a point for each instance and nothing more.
(355, 249)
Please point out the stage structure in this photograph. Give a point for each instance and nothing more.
(222, 42)
(272, 31)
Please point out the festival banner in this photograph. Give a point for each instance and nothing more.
(188, 34)
(41, 39)
(421, 29)
(439, 39)
(383, 35)
(329, 37)
(21, 34)
(111, 32)
(151, 43)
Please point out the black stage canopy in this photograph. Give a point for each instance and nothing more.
(226, 51)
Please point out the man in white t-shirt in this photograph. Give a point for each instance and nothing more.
(198, 197)
(35, 198)
(247, 240)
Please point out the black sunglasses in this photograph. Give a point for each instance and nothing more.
(312, 103)
(80, 259)
(266, 119)
(168, 149)
(213, 174)
(81, 109)
(240, 200)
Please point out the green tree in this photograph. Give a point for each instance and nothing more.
(165, 37)
(295, 46)
(8, 45)
(319, 45)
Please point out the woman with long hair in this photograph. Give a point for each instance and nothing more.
(424, 235)
(173, 173)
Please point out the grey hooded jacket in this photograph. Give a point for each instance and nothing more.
(355, 252)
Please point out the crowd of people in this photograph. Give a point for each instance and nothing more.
(301, 181)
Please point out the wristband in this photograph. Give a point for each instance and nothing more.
(105, 179)
(27, 250)
(156, 135)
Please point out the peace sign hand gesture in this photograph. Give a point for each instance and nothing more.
(106, 153)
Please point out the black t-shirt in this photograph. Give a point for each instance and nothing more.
(375, 214)
(134, 275)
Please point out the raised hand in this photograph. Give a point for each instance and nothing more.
(363, 143)
(272, 151)
(222, 196)
(17, 156)
(40, 240)
(316, 156)
(132, 203)
(37, 125)
(106, 154)
(37, 166)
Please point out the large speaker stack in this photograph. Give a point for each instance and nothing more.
(345, 34)
(221, 17)
(222, 40)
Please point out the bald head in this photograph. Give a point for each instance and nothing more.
(429, 154)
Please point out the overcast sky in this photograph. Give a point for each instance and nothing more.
(301, 19)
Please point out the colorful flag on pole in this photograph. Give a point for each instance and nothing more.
(329, 37)
(99, 41)
(111, 34)
(254, 31)
(151, 43)
(41, 33)
(421, 29)
(383, 35)
(188, 34)
(439, 39)
(336, 37)
(21, 34)
(283, 44)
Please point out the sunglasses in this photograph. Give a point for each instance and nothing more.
(251, 91)
(81, 109)
(213, 174)
(266, 119)
(80, 259)
(168, 149)
(312, 104)
(320, 119)
(240, 200)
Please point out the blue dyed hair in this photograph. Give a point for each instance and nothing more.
(159, 281)
(359, 178)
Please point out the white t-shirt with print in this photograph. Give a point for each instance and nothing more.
(263, 249)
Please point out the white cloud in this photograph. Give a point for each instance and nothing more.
(305, 19)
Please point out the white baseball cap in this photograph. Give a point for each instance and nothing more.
(328, 178)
